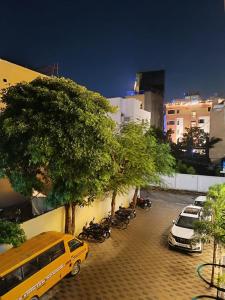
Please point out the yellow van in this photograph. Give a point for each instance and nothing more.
(30, 270)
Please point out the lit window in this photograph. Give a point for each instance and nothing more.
(171, 123)
(171, 112)
(193, 123)
(193, 113)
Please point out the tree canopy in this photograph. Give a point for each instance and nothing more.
(58, 131)
(140, 158)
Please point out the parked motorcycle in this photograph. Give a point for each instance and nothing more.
(144, 203)
(126, 212)
(117, 222)
(99, 228)
(89, 233)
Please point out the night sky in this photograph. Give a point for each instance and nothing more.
(102, 44)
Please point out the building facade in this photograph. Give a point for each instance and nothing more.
(186, 113)
(129, 110)
(11, 74)
(149, 90)
(217, 130)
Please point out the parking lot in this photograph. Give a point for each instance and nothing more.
(137, 264)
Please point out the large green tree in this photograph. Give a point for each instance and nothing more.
(159, 152)
(56, 133)
(131, 161)
(138, 160)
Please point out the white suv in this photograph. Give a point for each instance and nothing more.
(182, 232)
(200, 201)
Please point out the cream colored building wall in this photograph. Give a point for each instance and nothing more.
(51, 221)
(10, 74)
(54, 220)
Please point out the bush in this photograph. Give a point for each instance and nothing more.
(184, 169)
(11, 233)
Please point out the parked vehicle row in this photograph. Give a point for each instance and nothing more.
(182, 233)
(99, 232)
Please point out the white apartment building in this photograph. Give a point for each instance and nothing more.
(128, 110)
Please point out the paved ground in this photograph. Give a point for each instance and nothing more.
(137, 264)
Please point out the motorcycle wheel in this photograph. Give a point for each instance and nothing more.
(100, 239)
(107, 235)
(121, 225)
(126, 221)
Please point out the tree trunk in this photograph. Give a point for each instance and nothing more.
(134, 201)
(113, 203)
(67, 218)
(214, 261)
(73, 218)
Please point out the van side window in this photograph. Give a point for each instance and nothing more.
(30, 268)
(13, 279)
(74, 244)
(44, 259)
(57, 251)
(2, 286)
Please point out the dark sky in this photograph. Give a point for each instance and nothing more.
(102, 44)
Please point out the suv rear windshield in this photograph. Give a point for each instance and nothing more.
(186, 222)
(199, 203)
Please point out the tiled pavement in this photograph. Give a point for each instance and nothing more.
(137, 264)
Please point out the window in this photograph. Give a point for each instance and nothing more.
(209, 108)
(171, 123)
(30, 268)
(74, 244)
(193, 114)
(201, 121)
(186, 222)
(2, 286)
(44, 259)
(13, 279)
(57, 251)
(171, 112)
(193, 123)
(178, 111)
(4, 80)
(178, 122)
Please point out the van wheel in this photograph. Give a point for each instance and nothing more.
(75, 269)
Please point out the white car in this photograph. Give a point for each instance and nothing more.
(182, 232)
(200, 201)
(192, 209)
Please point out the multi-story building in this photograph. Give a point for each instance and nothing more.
(189, 112)
(129, 110)
(149, 90)
(11, 74)
(217, 130)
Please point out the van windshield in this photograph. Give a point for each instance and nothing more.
(186, 222)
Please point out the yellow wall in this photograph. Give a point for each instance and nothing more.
(14, 74)
(54, 220)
